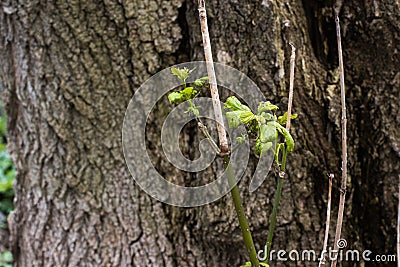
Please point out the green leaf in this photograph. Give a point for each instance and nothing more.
(282, 119)
(3, 125)
(182, 74)
(175, 98)
(183, 95)
(234, 104)
(188, 93)
(266, 106)
(6, 256)
(6, 259)
(261, 148)
(264, 264)
(7, 172)
(246, 116)
(237, 117)
(239, 113)
(268, 133)
(260, 119)
(233, 118)
(247, 264)
(201, 81)
(268, 116)
(5, 185)
(286, 134)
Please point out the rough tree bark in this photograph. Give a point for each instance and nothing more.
(69, 68)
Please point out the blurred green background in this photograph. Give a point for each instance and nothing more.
(7, 175)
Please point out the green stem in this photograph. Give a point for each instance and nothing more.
(240, 214)
(284, 154)
(272, 220)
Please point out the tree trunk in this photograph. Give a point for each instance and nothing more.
(69, 69)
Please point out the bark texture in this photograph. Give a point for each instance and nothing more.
(69, 68)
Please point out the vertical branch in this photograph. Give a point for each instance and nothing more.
(223, 141)
(344, 141)
(282, 174)
(328, 221)
(291, 84)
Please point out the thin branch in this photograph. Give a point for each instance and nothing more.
(204, 130)
(223, 141)
(328, 221)
(291, 84)
(344, 142)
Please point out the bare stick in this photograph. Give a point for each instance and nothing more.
(223, 141)
(291, 83)
(344, 142)
(328, 221)
(398, 231)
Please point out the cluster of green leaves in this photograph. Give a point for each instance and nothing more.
(264, 123)
(188, 92)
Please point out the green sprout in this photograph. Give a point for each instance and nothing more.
(188, 92)
(264, 124)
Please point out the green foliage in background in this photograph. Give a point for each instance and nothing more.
(7, 170)
(6, 259)
(7, 175)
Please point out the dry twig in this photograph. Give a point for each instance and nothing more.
(291, 84)
(223, 141)
(344, 142)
